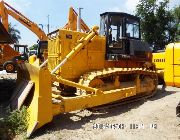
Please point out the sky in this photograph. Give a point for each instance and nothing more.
(38, 11)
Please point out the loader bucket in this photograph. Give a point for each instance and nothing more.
(34, 91)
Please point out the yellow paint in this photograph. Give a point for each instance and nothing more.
(159, 60)
(83, 52)
(32, 59)
(91, 57)
(177, 53)
(170, 68)
(92, 100)
(39, 103)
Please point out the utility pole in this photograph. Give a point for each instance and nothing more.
(48, 23)
(79, 20)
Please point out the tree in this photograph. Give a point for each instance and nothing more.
(158, 23)
(14, 33)
(34, 47)
(176, 13)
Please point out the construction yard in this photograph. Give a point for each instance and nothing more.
(76, 80)
(154, 118)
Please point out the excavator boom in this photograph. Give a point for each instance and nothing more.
(6, 10)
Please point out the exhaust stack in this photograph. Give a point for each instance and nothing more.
(79, 20)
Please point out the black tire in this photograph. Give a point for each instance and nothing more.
(178, 110)
(9, 66)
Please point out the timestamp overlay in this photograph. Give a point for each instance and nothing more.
(122, 126)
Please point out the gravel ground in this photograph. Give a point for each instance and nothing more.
(154, 118)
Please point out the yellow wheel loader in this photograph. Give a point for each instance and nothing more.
(85, 70)
(168, 66)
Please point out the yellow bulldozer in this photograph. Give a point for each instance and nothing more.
(85, 70)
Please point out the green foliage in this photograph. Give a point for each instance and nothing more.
(17, 120)
(14, 124)
(34, 47)
(159, 24)
(14, 33)
(176, 13)
(5, 132)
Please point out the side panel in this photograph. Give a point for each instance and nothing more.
(169, 67)
(177, 81)
(59, 47)
(172, 67)
(96, 54)
(177, 64)
(176, 70)
(177, 54)
(159, 60)
(91, 57)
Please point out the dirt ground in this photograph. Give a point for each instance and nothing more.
(154, 118)
(150, 119)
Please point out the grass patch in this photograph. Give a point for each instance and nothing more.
(15, 123)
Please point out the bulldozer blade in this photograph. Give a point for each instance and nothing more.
(20, 94)
(34, 92)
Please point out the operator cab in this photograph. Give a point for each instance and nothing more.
(23, 49)
(123, 37)
(42, 50)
